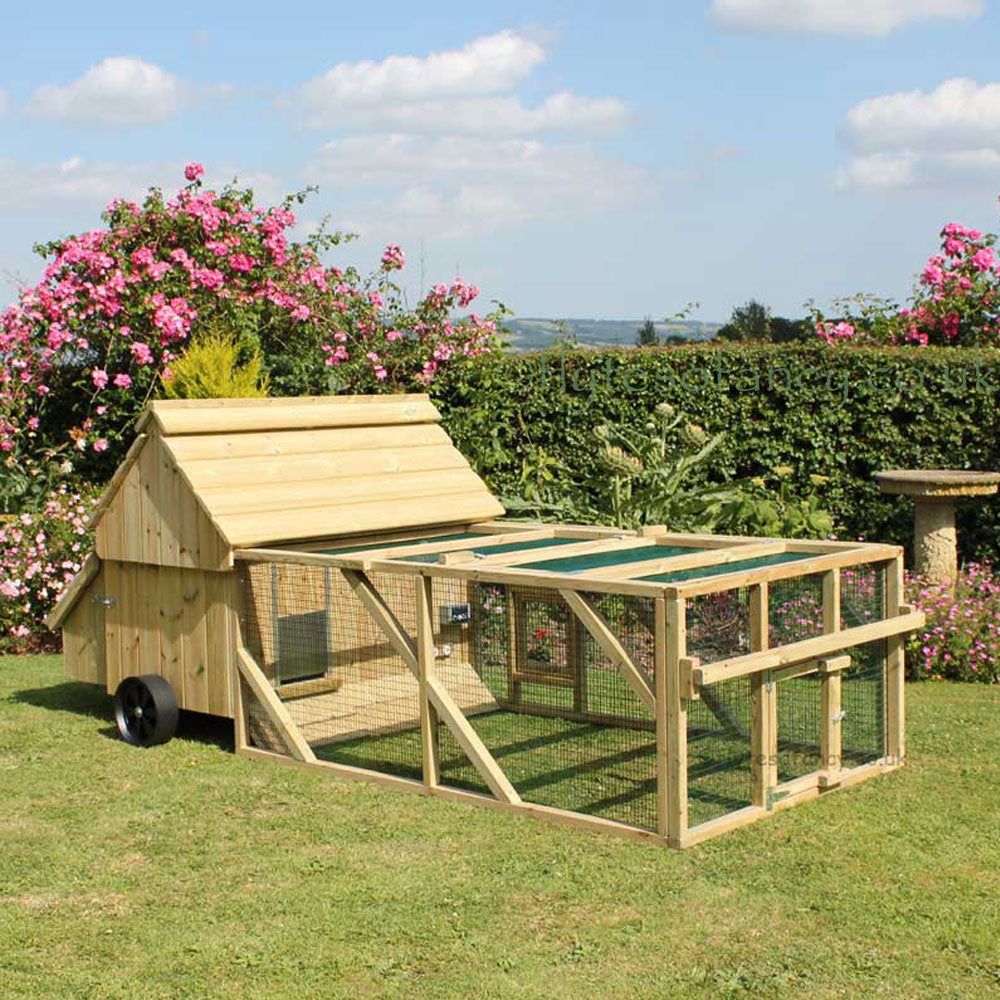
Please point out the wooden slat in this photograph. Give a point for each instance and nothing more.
(129, 617)
(807, 649)
(660, 667)
(290, 497)
(613, 649)
(330, 411)
(171, 628)
(271, 703)
(213, 476)
(302, 444)
(830, 741)
(581, 548)
(73, 592)
(895, 668)
(831, 600)
(223, 598)
(677, 784)
(763, 713)
(148, 499)
(112, 631)
(195, 647)
(425, 664)
(457, 545)
(168, 499)
(696, 560)
(148, 613)
(800, 567)
(242, 530)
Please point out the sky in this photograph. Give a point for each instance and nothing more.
(573, 159)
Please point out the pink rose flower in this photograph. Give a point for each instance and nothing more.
(193, 171)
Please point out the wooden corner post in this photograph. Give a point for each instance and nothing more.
(673, 707)
(831, 752)
(764, 704)
(895, 673)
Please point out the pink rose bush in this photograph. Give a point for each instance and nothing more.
(956, 301)
(961, 640)
(84, 349)
(40, 553)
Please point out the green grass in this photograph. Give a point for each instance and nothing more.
(184, 872)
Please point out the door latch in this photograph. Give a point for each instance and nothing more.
(107, 601)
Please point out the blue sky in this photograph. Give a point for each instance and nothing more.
(572, 161)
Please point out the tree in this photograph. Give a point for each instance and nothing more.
(646, 335)
(751, 321)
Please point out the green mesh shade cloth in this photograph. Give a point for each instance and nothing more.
(730, 567)
(615, 557)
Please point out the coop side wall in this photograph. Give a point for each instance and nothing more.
(178, 623)
(83, 635)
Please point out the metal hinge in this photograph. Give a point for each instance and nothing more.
(107, 601)
(773, 796)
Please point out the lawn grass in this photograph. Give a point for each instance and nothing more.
(185, 872)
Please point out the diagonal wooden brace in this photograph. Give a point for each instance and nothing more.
(448, 712)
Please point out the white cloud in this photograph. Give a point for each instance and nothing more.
(489, 65)
(467, 91)
(119, 92)
(902, 171)
(851, 18)
(455, 186)
(950, 135)
(957, 113)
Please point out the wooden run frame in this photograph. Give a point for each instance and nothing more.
(678, 679)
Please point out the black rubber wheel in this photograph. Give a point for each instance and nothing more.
(146, 710)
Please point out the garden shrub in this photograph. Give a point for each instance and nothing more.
(956, 301)
(833, 416)
(40, 553)
(83, 350)
(211, 368)
(961, 640)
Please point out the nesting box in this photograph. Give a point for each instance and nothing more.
(331, 574)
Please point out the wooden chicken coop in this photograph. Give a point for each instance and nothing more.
(331, 574)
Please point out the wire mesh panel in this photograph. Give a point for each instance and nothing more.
(862, 594)
(719, 750)
(344, 685)
(863, 704)
(800, 719)
(795, 609)
(718, 625)
(568, 730)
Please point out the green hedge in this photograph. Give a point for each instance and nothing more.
(843, 413)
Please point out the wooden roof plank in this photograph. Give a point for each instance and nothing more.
(300, 414)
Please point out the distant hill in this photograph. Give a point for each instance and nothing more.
(532, 334)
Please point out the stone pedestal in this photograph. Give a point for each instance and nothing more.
(935, 492)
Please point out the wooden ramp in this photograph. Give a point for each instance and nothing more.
(383, 705)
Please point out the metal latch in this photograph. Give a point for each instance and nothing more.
(839, 717)
(107, 601)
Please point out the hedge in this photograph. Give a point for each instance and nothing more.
(842, 413)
